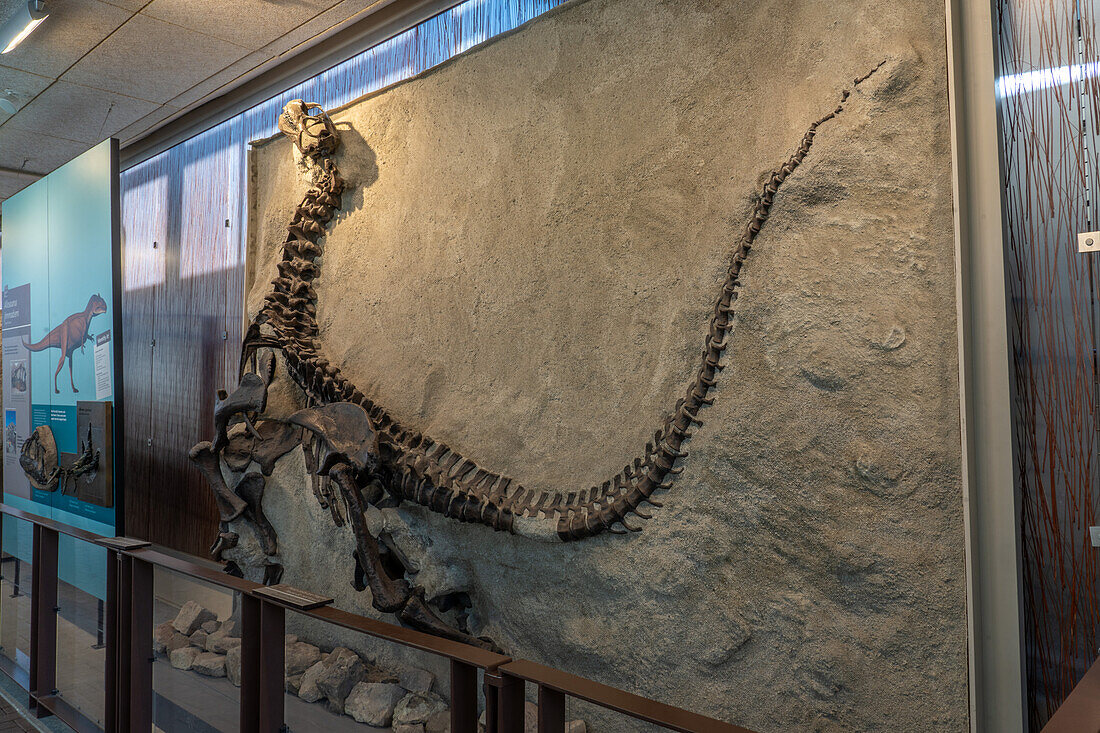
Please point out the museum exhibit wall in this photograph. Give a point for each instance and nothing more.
(525, 266)
(1047, 92)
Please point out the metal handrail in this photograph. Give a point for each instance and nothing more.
(128, 678)
(636, 706)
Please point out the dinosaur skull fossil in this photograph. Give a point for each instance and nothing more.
(309, 128)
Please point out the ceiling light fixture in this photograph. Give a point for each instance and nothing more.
(20, 25)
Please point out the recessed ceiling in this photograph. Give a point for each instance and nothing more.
(122, 68)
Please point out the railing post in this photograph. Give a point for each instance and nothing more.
(44, 616)
(551, 710)
(110, 624)
(272, 681)
(138, 697)
(250, 663)
(492, 700)
(503, 703)
(262, 665)
(123, 611)
(463, 697)
(32, 679)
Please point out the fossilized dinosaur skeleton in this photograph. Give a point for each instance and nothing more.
(373, 459)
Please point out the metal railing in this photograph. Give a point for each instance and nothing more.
(128, 677)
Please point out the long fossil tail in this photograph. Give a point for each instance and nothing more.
(636, 484)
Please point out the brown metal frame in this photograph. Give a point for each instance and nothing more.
(128, 681)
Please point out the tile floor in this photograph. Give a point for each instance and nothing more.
(13, 722)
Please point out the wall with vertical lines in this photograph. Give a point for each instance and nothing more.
(1047, 89)
(183, 218)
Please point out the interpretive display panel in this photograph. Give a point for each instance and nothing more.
(60, 326)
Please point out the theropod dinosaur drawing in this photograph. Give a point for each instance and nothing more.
(358, 455)
(70, 335)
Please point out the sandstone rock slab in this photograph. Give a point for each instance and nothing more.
(298, 656)
(184, 657)
(233, 665)
(373, 703)
(418, 707)
(824, 417)
(209, 664)
(343, 671)
(198, 639)
(307, 689)
(191, 616)
(439, 723)
(221, 642)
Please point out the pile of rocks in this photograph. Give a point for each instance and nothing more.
(345, 682)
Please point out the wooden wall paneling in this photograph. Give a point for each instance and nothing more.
(144, 233)
(189, 349)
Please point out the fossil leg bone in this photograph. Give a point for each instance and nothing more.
(230, 506)
(251, 489)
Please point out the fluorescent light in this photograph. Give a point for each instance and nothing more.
(20, 25)
(1033, 81)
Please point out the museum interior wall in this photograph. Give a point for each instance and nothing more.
(542, 252)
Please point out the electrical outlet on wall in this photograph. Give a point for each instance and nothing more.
(1094, 535)
(1088, 242)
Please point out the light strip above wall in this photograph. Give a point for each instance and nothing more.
(1030, 81)
(20, 25)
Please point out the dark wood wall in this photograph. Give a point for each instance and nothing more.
(182, 313)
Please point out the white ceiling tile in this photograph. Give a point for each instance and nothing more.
(146, 123)
(251, 23)
(73, 28)
(20, 87)
(32, 151)
(338, 14)
(224, 77)
(80, 113)
(133, 5)
(154, 60)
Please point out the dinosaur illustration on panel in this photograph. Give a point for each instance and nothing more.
(358, 455)
(69, 335)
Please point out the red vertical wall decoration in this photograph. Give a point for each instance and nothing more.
(1047, 90)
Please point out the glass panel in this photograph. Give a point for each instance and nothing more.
(379, 680)
(1047, 90)
(81, 653)
(15, 599)
(196, 624)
